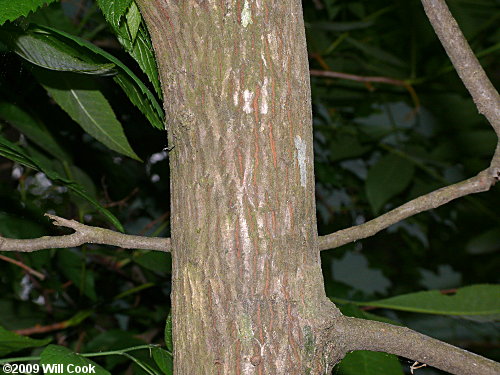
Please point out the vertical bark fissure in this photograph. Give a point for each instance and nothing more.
(247, 285)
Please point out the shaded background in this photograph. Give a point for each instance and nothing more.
(377, 146)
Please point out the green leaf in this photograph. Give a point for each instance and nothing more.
(79, 317)
(134, 19)
(17, 226)
(33, 128)
(114, 10)
(82, 179)
(88, 107)
(19, 314)
(142, 51)
(73, 267)
(137, 98)
(42, 49)
(164, 360)
(478, 302)
(387, 178)
(112, 340)
(154, 260)
(135, 89)
(10, 10)
(168, 333)
(14, 152)
(131, 291)
(363, 362)
(346, 146)
(55, 16)
(55, 354)
(12, 342)
(133, 36)
(81, 193)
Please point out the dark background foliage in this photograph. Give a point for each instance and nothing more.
(378, 145)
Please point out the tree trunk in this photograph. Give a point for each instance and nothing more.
(248, 294)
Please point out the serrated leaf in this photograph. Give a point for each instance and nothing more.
(87, 106)
(164, 360)
(12, 342)
(14, 152)
(11, 10)
(134, 37)
(134, 19)
(42, 49)
(114, 10)
(168, 333)
(137, 98)
(135, 89)
(387, 178)
(55, 354)
(478, 302)
(141, 50)
(364, 362)
(33, 128)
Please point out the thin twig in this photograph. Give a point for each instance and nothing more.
(154, 222)
(370, 79)
(30, 270)
(84, 234)
(42, 329)
(123, 201)
(480, 183)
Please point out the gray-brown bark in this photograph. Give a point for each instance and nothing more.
(248, 293)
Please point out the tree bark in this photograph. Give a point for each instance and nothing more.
(247, 287)
(248, 295)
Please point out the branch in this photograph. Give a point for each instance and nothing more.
(480, 183)
(487, 102)
(465, 62)
(29, 270)
(363, 334)
(84, 234)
